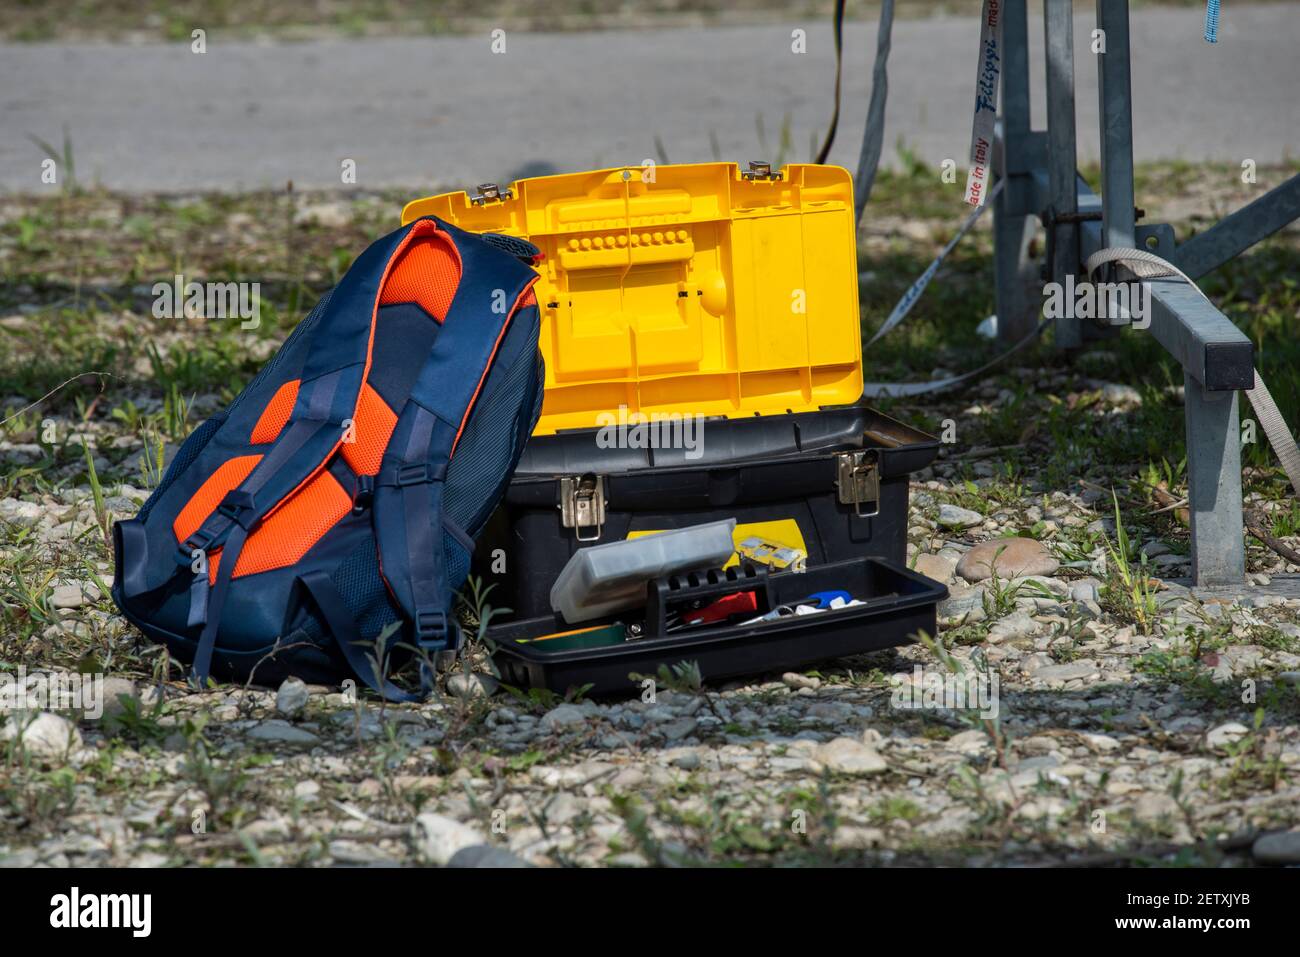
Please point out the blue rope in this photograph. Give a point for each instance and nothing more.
(1211, 21)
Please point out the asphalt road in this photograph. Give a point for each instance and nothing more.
(448, 110)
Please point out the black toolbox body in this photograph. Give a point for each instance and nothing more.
(758, 469)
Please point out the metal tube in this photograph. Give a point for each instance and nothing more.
(1214, 485)
(1241, 230)
(1012, 231)
(1058, 36)
(1116, 103)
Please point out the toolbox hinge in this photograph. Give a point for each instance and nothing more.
(582, 504)
(487, 191)
(760, 169)
(858, 479)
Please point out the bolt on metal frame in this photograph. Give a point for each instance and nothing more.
(1041, 180)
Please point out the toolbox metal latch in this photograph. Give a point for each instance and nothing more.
(487, 191)
(760, 169)
(858, 479)
(582, 504)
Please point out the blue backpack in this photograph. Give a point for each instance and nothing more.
(336, 500)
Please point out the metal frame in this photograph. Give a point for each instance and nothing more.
(1039, 170)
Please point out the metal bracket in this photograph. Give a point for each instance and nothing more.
(490, 191)
(858, 479)
(1217, 359)
(582, 504)
(759, 169)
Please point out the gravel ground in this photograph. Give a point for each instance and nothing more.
(1108, 740)
(1136, 722)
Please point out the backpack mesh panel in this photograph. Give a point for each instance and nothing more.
(456, 561)
(427, 273)
(285, 350)
(362, 590)
(491, 444)
(519, 248)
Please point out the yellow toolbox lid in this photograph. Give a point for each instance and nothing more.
(690, 289)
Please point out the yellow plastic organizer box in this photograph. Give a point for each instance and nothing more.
(688, 289)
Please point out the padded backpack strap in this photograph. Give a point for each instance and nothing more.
(229, 526)
(336, 366)
(409, 489)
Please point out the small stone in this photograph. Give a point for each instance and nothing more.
(687, 760)
(437, 838)
(472, 685)
(1100, 742)
(281, 732)
(567, 716)
(292, 697)
(74, 594)
(1007, 558)
(23, 857)
(962, 605)
(1279, 847)
(19, 512)
(1032, 664)
(939, 567)
(676, 730)
(847, 756)
(1154, 807)
(116, 692)
(857, 838)
(968, 742)
(485, 855)
(953, 516)
(1085, 590)
(46, 737)
(794, 680)
(359, 854)
(1225, 734)
(1020, 624)
(1045, 808)
(1120, 394)
(306, 791)
(1068, 672)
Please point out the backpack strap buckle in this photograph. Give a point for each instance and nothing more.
(239, 507)
(363, 494)
(431, 627)
(418, 473)
(200, 541)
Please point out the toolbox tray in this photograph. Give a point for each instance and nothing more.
(897, 604)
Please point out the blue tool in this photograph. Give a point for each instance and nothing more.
(820, 600)
(823, 599)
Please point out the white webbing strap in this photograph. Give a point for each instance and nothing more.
(1150, 266)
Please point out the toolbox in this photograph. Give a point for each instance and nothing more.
(703, 359)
